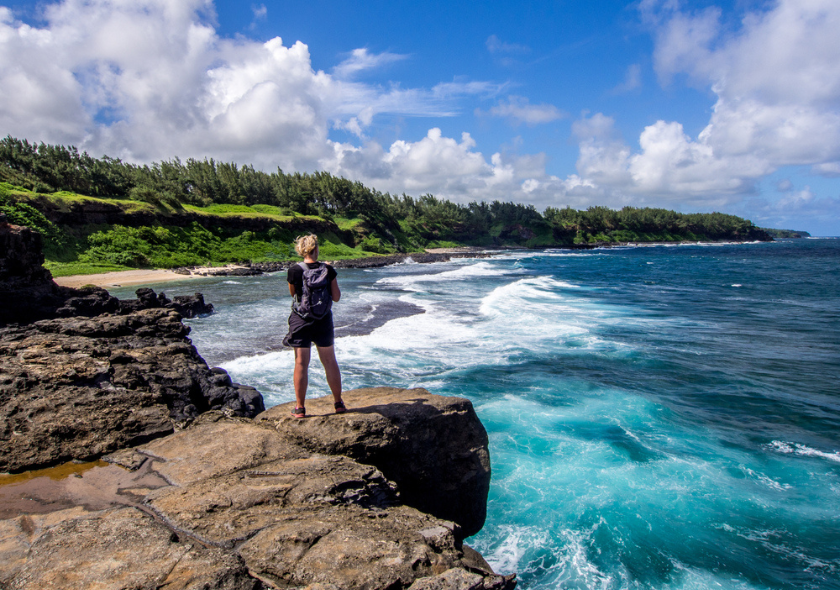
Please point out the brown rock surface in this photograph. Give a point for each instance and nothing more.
(433, 447)
(111, 549)
(235, 503)
(452, 579)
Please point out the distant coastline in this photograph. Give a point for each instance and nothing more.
(97, 215)
(786, 233)
(131, 277)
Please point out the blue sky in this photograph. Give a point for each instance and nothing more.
(695, 106)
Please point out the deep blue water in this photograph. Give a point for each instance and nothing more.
(659, 417)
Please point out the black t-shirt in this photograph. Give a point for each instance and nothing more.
(295, 275)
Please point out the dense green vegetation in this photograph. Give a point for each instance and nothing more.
(87, 248)
(183, 213)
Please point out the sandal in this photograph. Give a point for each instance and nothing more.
(340, 408)
(299, 413)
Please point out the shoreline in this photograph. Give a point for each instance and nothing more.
(125, 278)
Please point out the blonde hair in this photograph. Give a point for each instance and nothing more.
(306, 245)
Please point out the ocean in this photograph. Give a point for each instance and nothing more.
(659, 416)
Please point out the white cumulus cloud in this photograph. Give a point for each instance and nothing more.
(151, 79)
(777, 80)
(777, 85)
(148, 80)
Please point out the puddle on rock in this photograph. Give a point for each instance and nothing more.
(95, 486)
(59, 472)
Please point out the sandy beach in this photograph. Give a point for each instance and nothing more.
(123, 278)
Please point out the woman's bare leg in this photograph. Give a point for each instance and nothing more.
(327, 356)
(302, 356)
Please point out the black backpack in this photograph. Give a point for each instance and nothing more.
(316, 300)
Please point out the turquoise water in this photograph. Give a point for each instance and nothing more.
(659, 417)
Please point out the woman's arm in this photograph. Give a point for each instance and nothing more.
(291, 290)
(335, 291)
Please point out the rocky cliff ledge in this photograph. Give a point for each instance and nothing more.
(236, 503)
(194, 493)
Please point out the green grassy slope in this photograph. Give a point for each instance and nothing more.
(175, 236)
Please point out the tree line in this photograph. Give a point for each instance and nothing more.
(48, 168)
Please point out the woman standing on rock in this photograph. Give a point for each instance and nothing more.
(314, 288)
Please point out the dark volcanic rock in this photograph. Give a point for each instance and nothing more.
(378, 261)
(418, 257)
(433, 447)
(77, 388)
(88, 302)
(85, 382)
(234, 272)
(189, 306)
(269, 266)
(27, 291)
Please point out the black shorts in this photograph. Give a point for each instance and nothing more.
(302, 333)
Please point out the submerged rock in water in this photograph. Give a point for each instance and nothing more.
(189, 306)
(247, 505)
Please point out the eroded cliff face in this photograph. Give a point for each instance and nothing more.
(196, 493)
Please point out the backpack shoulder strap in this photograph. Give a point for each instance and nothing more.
(303, 265)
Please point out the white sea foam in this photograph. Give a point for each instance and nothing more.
(546, 313)
(737, 285)
(271, 374)
(491, 328)
(232, 282)
(692, 578)
(803, 451)
(550, 254)
(560, 560)
(481, 269)
(767, 481)
(516, 541)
